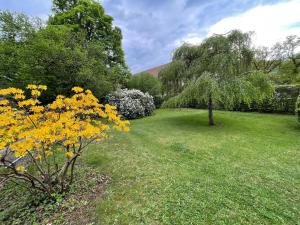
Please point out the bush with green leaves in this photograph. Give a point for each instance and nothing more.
(298, 108)
(145, 82)
(283, 101)
(132, 104)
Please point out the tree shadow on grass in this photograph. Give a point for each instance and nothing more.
(195, 122)
(230, 122)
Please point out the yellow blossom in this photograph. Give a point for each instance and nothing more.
(10, 91)
(42, 87)
(35, 93)
(77, 89)
(48, 153)
(69, 154)
(126, 129)
(71, 121)
(20, 168)
(4, 102)
(60, 97)
(28, 102)
(37, 109)
(19, 96)
(32, 87)
(38, 157)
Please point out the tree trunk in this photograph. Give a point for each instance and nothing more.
(210, 112)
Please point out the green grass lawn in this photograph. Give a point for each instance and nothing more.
(172, 168)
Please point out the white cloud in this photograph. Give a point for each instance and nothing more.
(192, 38)
(271, 23)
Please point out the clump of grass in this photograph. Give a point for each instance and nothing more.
(179, 147)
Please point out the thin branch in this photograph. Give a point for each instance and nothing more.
(36, 164)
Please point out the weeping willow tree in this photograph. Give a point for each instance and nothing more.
(172, 78)
(218, 71)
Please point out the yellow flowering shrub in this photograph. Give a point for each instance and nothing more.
(35, 138)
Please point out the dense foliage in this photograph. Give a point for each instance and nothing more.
(17, 27)
(78, 47)
(173, 76)
(132, 104)
(283, 101)
(14, 30)
(145, 82)
(219, 70)
(282, 61)
(42, 143)
(89, 16)
(298, 108)
(279, 63)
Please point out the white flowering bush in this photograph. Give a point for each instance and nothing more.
(132, 104)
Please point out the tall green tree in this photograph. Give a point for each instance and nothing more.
(89, 15)
(221, 72)
(173, 77)
(15, 29)
(61, 55)
(60, 59)
(268, 59)
(291, 51)
(9, 64)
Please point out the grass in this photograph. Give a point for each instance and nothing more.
(172, 168)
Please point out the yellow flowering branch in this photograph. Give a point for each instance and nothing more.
(37, 133)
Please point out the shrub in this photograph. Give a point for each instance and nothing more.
(298, 108)
(145, 82)
(42, 143)
(283, 101)
(158, 101)
(132, 104)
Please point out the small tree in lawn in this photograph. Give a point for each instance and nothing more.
(40, 144)
(221, 72)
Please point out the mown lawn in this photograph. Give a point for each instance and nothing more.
(172, 168)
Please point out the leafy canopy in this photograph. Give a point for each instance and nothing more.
(298, 108)
(60, 59)
(89, 15)
(145, 82)
(17, 27)
(58, 56)
(218, 71)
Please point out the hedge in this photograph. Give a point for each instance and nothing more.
(298, 108)
(283, 101)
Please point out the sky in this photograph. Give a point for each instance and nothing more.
(153, 29)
